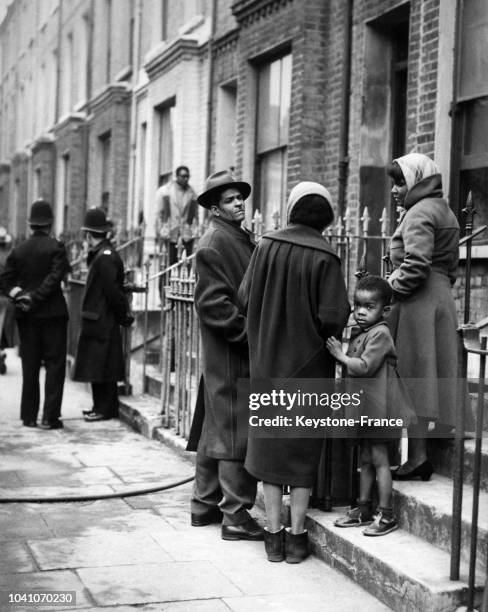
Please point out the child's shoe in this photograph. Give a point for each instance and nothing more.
(384, 523)
(357, 517)
(274, 544)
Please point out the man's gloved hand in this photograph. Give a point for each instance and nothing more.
(129, 319)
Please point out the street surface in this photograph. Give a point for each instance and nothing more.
(137, 553)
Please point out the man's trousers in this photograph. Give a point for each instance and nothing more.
(223, 483)
(42, 342)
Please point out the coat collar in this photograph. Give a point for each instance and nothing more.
(94, 251)
(302, 235)
(236, 230)
(430, 187)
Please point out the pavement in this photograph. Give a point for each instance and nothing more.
(133, 553)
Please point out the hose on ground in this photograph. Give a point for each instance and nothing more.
(84, 498)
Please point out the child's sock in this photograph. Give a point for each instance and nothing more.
(366, 507)
(386, 512)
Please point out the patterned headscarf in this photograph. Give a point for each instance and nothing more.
(415, 167)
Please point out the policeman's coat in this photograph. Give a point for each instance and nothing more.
(99, 356)
(222, 257)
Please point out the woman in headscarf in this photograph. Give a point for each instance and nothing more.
(424, 252)
(296, 298)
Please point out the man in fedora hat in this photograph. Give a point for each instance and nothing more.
(99, 356)
(222, 485)
(32, 279)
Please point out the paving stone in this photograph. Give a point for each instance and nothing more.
(340, 597)
(83, 524)
(97, 551)
(43, 581)
(80, 477)
(208, 605)
(205, 543)
(158, 582)
(15, 558)
(18, 522)
(274, 578)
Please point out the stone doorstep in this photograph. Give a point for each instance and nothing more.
(424, 509)
(406, 585)
(400, 569)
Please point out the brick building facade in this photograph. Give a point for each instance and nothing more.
(278, 90)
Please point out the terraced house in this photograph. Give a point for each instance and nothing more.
(100, 101)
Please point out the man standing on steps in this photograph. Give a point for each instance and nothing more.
(99, 356)
(177, 207)
(32, 279)
(222, 485)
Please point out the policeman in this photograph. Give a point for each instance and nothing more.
(32, 278)
(99, 357)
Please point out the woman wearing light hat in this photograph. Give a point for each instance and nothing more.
(296, 297)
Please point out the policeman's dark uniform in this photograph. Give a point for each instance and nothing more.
(99, 357)
(37, 267)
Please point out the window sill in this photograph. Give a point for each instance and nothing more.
(478, 251)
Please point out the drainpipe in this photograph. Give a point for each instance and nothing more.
(89, 87)
(345, 108)
(458, 467)
(133, 119)
(210, 89)
(57, 103)
(455, 114)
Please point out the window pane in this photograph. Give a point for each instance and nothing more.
(166, 120)
(475, 143)
(272, 181)
(285, 99)
(473, 73)
(269, 106)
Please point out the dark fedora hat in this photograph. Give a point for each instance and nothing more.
(96, 221)
(41, 213)
(218, 182)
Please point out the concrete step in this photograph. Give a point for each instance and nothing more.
(424, 509)
(442, 456)
(154, 381)
(400, 569)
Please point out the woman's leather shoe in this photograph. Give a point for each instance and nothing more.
(249, 530)
(95, 416)
(423, 471)
(30, 424)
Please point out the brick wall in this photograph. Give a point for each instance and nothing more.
(70, 140)
(112, 115)
(43, 159)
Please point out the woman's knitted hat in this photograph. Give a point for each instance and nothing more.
(303, 189)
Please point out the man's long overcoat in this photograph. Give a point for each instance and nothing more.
(222, 257)
(99, 357)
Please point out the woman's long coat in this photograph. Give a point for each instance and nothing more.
(99, 356)
(296, 298)
(424, 252)
(222, 257)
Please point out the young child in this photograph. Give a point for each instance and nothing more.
(371, 355)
